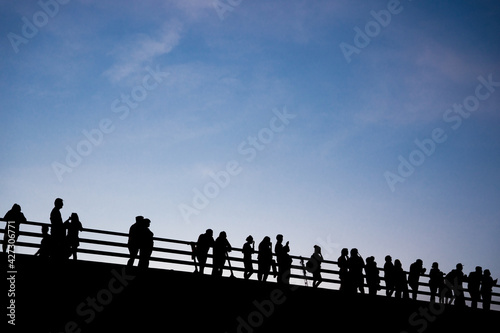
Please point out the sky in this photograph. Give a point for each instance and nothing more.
(369, 124)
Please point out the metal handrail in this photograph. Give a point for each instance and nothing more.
(190, 262)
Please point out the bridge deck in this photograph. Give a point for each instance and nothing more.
(89, 296)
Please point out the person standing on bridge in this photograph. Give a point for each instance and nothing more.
(203, 245)
(314, 266)
(486, 289)
(44, 250)
(13, 215)
(221, 248)
(474, 286)
(454, 281)
(134, 239)
(400, 281)
(264, 258)
(389, 276)
(436, 283)
(283, 259)
(342, 262)
(372, 276)
(356, 265)
(146, 244)
(248, 250)
(58, 233)
(72, 239)
(416, 269)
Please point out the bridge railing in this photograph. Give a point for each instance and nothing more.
(111, 247)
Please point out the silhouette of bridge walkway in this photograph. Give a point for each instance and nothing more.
(194, 301)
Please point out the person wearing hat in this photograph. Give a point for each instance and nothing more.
(248, 250)
(454, 281)
(436, 282)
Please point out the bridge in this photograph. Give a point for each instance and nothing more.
(97, 293)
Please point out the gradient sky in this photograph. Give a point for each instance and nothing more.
(318, 176)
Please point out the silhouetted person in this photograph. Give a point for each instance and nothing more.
(44, 250)
(400, 281)
(13, 215)
(342, 262)
(416, 269)
(486, 288)
(134, 239)
(356, 278)
(145, 243)
(203, 245)
(389, 276)
(58, 233)
(315, 266)
(283, 259)
(248, 250)
(474, 286)
(221, 248)
(372, 276)
(74, 226)
(454, 281)
(264, 259)
(436, 283)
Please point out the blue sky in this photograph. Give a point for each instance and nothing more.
(318, 177)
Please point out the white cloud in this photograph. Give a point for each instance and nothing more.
(141, 49)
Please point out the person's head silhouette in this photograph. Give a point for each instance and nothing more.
(58, 203)
(16, 208)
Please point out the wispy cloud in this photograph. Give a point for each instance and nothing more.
(141, 49)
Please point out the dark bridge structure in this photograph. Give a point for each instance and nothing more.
(98, 293)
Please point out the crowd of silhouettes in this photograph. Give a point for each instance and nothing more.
(63, 242)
